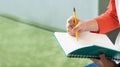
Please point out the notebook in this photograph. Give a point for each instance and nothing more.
(88, 45)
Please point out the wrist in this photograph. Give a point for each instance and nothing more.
(91, 25)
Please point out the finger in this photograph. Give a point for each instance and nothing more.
(95, 60)
(70, 20)
(69, 30)
(69, 25)
(103, 59)
(106, 62)
(76, 28)
(98, 62)
(72, 34)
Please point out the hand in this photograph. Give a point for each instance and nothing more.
(71, 28)
(104, 62)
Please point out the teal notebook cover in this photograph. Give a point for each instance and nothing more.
(89, 45)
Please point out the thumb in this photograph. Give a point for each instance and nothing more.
(103, 59)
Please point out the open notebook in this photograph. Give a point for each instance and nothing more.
(89, 45)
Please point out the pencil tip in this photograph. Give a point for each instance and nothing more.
(74, 9)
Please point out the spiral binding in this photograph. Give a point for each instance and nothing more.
(90, 56)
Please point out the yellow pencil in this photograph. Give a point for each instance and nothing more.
(75, 22)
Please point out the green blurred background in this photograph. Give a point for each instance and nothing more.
(27, 27)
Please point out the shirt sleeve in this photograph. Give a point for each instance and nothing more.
(108, 20)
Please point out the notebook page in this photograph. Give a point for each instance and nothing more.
(98, 39)
(69, 43)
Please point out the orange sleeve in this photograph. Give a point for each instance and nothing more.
(108, 20)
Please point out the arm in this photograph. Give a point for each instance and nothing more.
(101, 24)
(108, 20)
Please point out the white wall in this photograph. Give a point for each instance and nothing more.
(50, 12)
